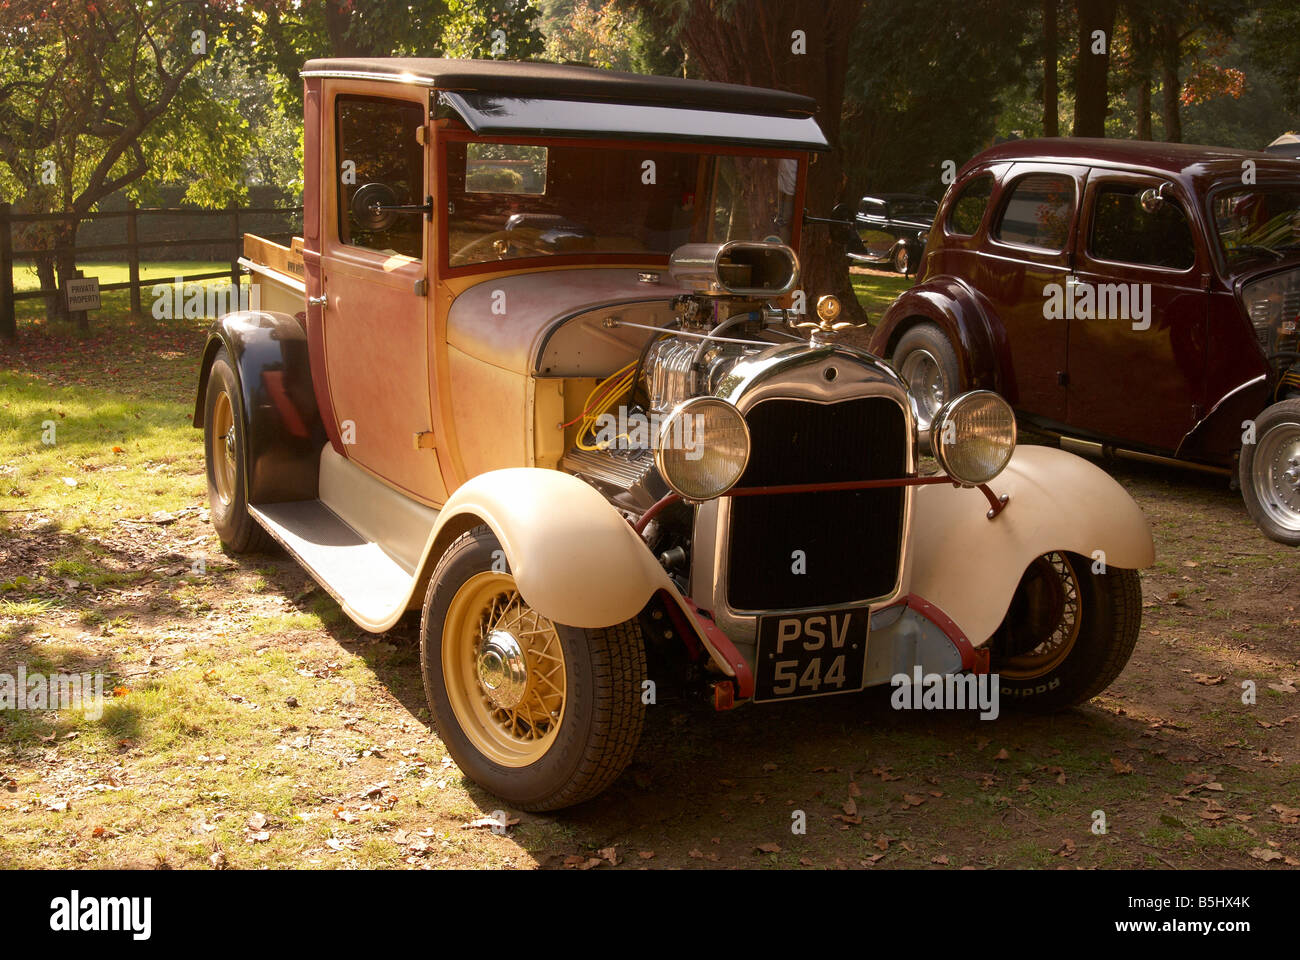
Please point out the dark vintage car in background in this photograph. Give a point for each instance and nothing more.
(1141, 296)
(893, 228)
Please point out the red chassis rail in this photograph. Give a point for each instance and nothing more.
(996, 503)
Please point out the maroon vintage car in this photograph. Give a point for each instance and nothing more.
(1142, 296)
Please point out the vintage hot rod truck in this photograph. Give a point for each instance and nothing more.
(537, 369)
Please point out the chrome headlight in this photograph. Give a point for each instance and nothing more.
(973, 436)
(702, 448)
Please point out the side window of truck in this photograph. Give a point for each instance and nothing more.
(967, 212)
(381, 164)
(1122, 232)
(1038, 212)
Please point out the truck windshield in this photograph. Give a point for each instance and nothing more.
(1257, 222)
(511, 201)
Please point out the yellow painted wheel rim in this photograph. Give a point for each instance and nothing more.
(485, 614)
(223, 447)
(1058, 639)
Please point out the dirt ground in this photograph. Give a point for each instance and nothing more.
(253, 725)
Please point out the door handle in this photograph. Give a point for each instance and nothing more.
(317, 301)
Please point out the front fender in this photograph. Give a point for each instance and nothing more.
(575, 559)
(969, 566)
(954, 308)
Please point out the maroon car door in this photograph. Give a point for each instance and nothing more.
(1137, 346)
(1026, 255)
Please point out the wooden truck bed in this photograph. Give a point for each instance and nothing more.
(276, 271)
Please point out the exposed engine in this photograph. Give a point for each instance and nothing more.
(716, 326)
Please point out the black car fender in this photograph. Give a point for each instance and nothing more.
(281, 421)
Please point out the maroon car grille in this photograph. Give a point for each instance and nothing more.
(850, 541)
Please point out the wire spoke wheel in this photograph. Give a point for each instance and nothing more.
(223, 443)
(504, 669)
(1044, 621)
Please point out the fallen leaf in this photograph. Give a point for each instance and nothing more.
(1286, 814)
(912, 800)
(942, 860)
(1206, 679)
(1120, 766)
(850, 807)
(1268, 856)
(1002, 755)
(646, 854)
(256, 821)
(769, 848)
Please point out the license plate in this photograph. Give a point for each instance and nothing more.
(811, 654)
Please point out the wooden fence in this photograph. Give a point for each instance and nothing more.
(130, 248)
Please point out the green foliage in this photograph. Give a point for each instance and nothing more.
(609, 34)
(492, 29)
(904, 114)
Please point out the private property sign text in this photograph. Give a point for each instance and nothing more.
(83, 294)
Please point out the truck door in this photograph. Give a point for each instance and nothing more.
(1137, 357)
(374, 268)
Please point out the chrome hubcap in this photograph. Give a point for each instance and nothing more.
(230, 445)
(924, 378)
(503, 669)
(1276, 474)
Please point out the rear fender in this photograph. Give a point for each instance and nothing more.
(269, 354)
(969, 566)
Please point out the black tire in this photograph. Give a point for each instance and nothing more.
(1109, 616)
(902, 259)
(1272, 498)
(925, 340)
(602, 713)
(238, 531)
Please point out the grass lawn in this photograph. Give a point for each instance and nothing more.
(877, 289)
(151, 271)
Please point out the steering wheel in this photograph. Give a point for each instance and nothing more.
(510, 238)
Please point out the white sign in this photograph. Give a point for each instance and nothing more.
(83, 294)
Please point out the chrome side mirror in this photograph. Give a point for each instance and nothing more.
(1152, 197)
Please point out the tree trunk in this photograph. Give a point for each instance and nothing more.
(1143, 107)
(65, 261)
(1092, 66)
(49, 281)
(755, 43)
(1171, 85)
(1051, 115)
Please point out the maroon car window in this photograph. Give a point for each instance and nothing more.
(1038, 212)
(967, 212)
(1123, 232)
(382, 162)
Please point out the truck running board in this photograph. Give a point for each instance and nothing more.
(362, 541)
